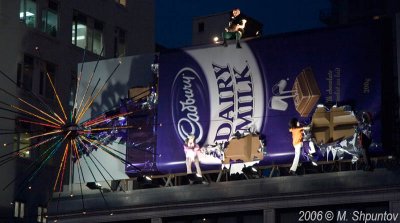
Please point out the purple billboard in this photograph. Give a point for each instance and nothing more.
(322, 77)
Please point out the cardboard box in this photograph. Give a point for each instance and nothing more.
(332, 125)
(138, 92)
(245, 149)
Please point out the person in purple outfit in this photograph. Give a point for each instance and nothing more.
(365, 139)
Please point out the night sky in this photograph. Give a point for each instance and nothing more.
(174, 17)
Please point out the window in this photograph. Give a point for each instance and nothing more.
(201, 27)
(79, 31)
(24, 142)
(231, 217)
(355, 5)
(19, 74)
(119, 42)
(22, 138)
(121, 2)
(97, 42)
(42, 212)
(27, 12)
(72, 90)
(87, 33)
(50, 19)
(25, 73)
(19, 209)
(72, 87)
(45, 87)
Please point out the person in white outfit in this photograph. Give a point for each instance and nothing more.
(192, 149)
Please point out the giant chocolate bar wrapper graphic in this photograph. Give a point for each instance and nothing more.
(306, 92)
(215, 92)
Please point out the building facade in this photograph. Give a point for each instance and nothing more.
(347, 12)
(41, 38)
(309, 197)
(337, 191)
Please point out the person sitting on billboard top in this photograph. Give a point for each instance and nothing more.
(235, 28)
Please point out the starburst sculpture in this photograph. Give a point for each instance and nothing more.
(62, 134)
